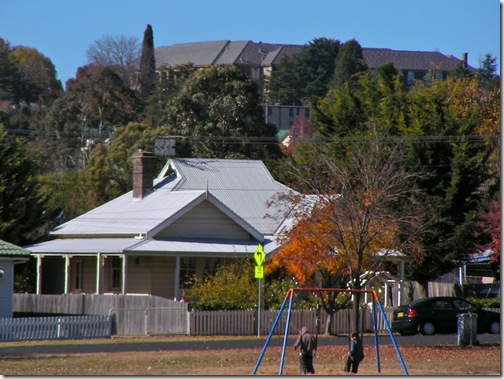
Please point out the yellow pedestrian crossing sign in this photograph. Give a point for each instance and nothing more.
(259, 255)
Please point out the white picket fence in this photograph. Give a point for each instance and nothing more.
(51, 328)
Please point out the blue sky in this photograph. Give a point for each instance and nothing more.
(62, 30)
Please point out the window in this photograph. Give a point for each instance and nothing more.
(464, 305)
(441, 304)
(187, 271)
(211, 266)
(115, 266)
(79, 269)
(410, 77)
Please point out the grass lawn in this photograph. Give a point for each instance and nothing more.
(419, 360)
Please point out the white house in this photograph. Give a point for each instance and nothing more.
(193, 216)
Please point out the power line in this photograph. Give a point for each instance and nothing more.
(259, 140)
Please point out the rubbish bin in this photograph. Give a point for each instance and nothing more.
(467, 329)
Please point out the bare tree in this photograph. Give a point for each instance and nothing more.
(365, 208)
(118, 53)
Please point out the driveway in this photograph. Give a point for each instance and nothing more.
(250, 343)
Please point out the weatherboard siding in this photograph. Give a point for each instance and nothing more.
(152, 275)
(163, 277)
(6, 288)
(139, 275)
(204, 221)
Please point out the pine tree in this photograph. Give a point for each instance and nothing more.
(147, 63)
(349, 62)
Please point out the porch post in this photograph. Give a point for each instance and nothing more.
(39, 275)
(177, 277)
(401, 281)
(67, 274)
(124, 273)
(99, 262)
(399, 293)
(386, 294)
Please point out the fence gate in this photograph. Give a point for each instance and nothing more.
(150, 321)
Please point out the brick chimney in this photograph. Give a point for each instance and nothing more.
(144, 165)
(464, 59)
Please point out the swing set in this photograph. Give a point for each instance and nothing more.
(375, 304)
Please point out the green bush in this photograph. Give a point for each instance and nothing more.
(485, 303)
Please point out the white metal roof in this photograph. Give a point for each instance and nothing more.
(127, 216)
(147, 246)
(83, 245)
(240, 188)
(244, 186)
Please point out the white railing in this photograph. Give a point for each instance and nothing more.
(50, 328)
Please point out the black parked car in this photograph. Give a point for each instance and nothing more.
(439, 315)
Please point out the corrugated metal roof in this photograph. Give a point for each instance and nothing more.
(243, 187)
(128, 216)
(10, 249)
(149, 245)
(84, 245)
(195, 247)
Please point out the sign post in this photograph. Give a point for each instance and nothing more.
(259, 274)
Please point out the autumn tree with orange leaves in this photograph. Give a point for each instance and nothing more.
(363, 204)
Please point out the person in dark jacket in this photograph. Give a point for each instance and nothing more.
(307, 343)
(355, 355)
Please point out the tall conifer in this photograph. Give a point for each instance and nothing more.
(147, 63)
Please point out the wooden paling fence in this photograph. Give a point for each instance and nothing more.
(248, 322)
(130, 315)
(150, 315)
(51, 328)
(150, 321)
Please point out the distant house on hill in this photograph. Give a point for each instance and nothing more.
(257, 59)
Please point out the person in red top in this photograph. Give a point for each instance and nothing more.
(307, 343)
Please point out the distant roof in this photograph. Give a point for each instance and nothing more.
(203, 54)
(10, 249)
(267, 54)
(199, 53)
(409, 60)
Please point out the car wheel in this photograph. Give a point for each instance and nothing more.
(427, 328)
(495, 327)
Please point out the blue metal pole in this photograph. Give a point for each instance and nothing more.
(289, 311)
(401, 361)
(270, 334)
(375, 329)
